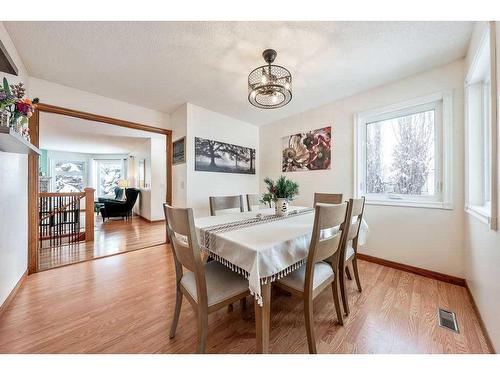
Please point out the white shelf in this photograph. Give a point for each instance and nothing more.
(11, 141)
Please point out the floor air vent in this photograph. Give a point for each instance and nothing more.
(448, 319)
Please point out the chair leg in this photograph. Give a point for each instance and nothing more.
(177, 313)
(348, 272)
(202, 331)
(308, 314)
(356, 274)
(343, 291)
(336, 301)
(243, 303)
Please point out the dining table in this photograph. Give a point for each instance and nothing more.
(262, 247)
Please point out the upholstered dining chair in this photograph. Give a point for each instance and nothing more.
(207, 286)
(329, 198)
(350, 249)
(254, 200)
(226, 203)
(309, 280)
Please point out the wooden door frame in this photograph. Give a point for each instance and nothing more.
(33, 165)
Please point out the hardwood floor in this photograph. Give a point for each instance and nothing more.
(111, 237)
(125, 303)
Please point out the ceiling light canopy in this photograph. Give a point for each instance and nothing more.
(269, 86)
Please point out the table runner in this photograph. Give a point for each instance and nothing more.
(261, 249)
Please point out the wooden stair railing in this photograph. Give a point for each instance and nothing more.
(59, 217)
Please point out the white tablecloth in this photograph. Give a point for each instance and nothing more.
(264, 251)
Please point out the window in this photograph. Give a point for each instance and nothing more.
(69, 176)
(401, 158)
(480, 145)
(109, 173)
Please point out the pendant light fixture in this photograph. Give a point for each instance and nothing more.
(269, 86)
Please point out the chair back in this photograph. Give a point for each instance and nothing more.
(356, 210)
(327, 198)
(182, 234)
(131, 195)
(327, 238)
(226, 203)
(119, 193)
(254, 200)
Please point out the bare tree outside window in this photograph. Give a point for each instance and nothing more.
(110, 173)
(69, 176)
(400, 155)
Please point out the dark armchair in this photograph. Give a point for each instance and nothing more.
(118, 196)
(118, 208)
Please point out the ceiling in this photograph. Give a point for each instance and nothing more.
(161, 65)
(70, 134)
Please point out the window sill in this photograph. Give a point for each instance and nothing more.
(479, 212)
(414, 204)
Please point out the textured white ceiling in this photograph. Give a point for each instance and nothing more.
(63, 133)
(161, 65)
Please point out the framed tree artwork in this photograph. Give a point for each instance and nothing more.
(179, 151)
(215, 156)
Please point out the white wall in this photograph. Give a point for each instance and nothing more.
(482, 245)
(200, 185)
(178, 124)
(67, 97)
(158, 178)
(427, 238)
(14, 193)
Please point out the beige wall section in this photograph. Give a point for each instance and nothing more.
(14, 193)
(192, 188)
(212, 125)
(427, 238)
(482, 245)
(178, 123)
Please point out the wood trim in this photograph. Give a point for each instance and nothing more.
(170, 158)
(479, 317)
(89, 214)
(33, 188)
(43, 107)
(77, 195)
(13, 293)
(33, 200)
(416, 270)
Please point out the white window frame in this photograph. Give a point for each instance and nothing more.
(52, 170)
(442, 103)
(487, 210)
(98, 171)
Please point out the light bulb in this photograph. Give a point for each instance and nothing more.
(264, 79)
(287, 85)
(274, 98)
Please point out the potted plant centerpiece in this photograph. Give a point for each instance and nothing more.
(280, 192)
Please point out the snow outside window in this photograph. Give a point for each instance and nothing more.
(401, 156)
(109, 173)
(69, 176)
